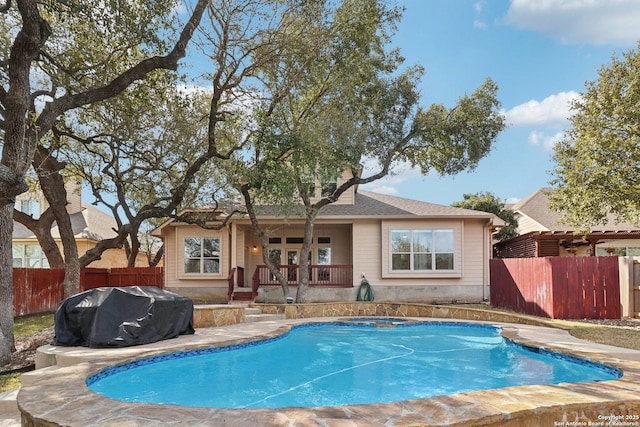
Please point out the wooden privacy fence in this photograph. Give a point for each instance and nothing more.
(558, 287)
(136, 276)
(39, 290)
(634, 296)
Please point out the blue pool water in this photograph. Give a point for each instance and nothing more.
(333, 364)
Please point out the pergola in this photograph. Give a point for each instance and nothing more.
(548, 243)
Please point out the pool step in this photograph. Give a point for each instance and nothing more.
(9, 412)
(252, 315)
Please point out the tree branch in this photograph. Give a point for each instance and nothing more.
(170, 62)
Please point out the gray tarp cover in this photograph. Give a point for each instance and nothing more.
(122, 317)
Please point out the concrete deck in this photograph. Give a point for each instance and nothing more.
(58, 395)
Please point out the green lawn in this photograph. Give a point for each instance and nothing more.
(27, 325)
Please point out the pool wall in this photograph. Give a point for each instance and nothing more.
(207, 316)
(391, 309)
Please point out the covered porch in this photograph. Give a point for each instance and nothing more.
(327, 276)
(330, 258)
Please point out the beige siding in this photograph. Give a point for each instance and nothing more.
(372, 253)
(348, 197)
(527, 224)
(340, 242)
(366, 251)
(74, 197)
(475, 253)
(175, 277)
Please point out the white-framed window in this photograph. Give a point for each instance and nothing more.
(202, 255)
(29, 207)
(422, 250)
(29, 256)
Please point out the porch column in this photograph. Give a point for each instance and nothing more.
(233, 247)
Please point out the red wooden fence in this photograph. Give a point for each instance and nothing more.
(36, 290)
(558, 287)
(98, 277)
(39, 290)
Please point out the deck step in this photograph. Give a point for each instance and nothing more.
(9, 407)
(251, 318)
(242, 294)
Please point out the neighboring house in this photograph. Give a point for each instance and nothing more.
(408, 250)
(543, 233)
(89, 226)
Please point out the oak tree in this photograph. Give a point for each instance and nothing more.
(595, 177)
(72, 37)
(488, 202)
(338, 97)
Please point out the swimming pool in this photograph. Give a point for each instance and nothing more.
(342, 363)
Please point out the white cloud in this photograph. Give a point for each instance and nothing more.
(579, 21)
(547, 142)
(381, 189)
(400, 173)
(479, 6)
(479, 25)
(511, 201)
(554, 110)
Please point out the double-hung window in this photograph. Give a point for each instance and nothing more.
(29, 256)
(422, 250)
(202, 255)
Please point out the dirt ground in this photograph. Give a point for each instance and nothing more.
(25, 354)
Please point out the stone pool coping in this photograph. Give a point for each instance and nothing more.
(58, 395)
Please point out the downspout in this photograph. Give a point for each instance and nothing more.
(233, 247)
(487, 245)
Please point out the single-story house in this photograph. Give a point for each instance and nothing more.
(542, 233)
(408, 250)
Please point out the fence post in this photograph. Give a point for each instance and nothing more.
(625, 267)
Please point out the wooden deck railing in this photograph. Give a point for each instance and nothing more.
(319, 275)
(230, 282)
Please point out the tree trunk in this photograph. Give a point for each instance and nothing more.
(41, 228)
(53, 188)
(6, 283)
(135, 250)
(303, 284)
(17, 151)
(263, 242)
(153, 262)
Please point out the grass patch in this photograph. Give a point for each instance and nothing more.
(619, 337)
(28, 325)
(615, 336)
(10, 381)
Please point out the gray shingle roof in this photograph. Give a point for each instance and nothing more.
(537, 207)
(90, 223)
(375, 205)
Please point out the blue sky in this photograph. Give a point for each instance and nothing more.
(539, 52)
